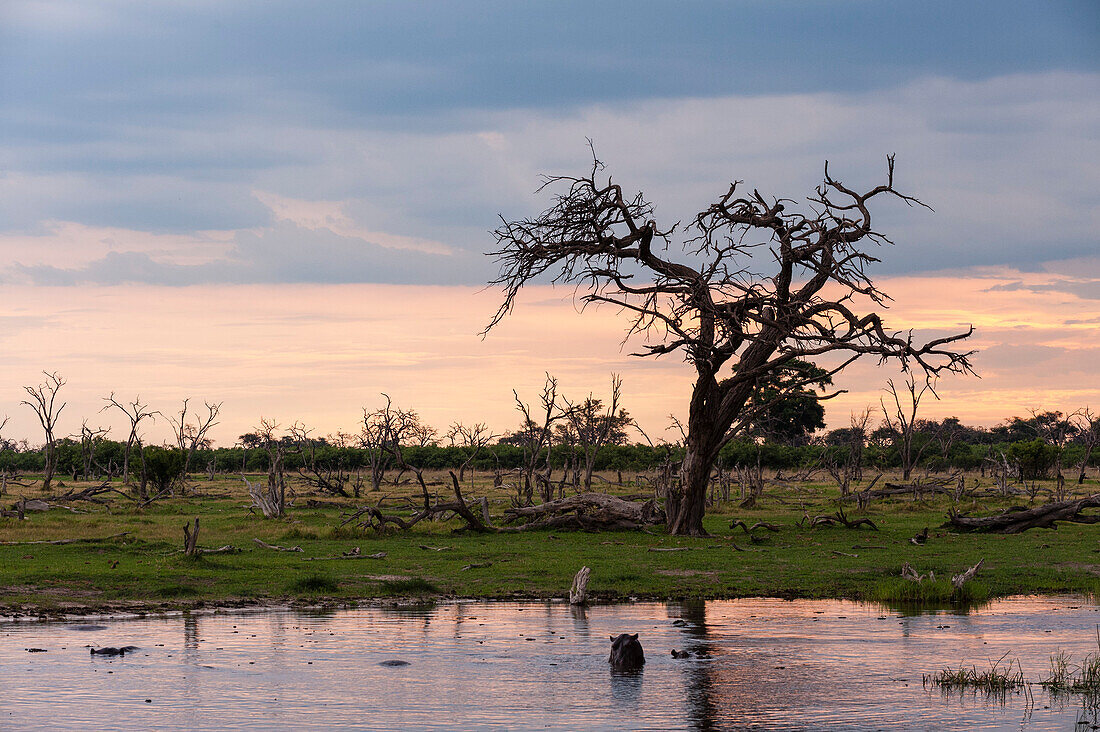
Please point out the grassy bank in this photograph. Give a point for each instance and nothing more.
(144, 568)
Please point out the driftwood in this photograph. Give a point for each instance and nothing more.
(588, 511)
(837, 519)
(353, 554)
(963, 577)
(65, 541)
(907, 572)
(227, 549)
(477, 565)
(373, 517)
(277, 548)
(1018, 519)
(578, 592)
(754, 527)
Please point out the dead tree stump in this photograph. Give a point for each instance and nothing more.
(191, 539)
(578, 593)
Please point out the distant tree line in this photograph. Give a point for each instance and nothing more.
(559, 443)
(940, 446)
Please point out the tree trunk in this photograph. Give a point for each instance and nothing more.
(687, 504)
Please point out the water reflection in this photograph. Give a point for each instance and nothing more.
(766, 664)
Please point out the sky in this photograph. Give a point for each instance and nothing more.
(285, 206)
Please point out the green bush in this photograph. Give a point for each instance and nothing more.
(1034, 458)
(163, 467)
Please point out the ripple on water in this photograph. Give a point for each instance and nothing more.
(753, 664)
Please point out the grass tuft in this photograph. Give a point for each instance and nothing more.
(298, 533)
(997, 679)
(313, 584)
(413, 586)
(903, 593)
(1069, 678)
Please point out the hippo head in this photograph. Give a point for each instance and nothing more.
(626, 652)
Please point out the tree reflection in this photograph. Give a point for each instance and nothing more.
(702, 705)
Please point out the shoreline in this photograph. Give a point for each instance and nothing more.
(138, 609)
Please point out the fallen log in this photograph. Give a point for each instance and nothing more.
(66, 541)
(1018, 519)
(837, 519)
(590, 511)
(758, 525)
(378, 555)
(376, 519)
(277, 548)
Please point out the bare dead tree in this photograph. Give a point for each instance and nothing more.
(136, 412)
(401, 428)
(372, 436)
(474, 438)
(190, 436)
(3, 468)
(901, 419)
(1088, 433)
(89, 440)
(535, 435)
(273, 503)
(714, 304)
(43, 400)
(594, 425)
(849, 468)
(323, 472)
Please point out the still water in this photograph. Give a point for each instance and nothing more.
(771, 664)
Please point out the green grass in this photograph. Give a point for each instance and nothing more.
(313, 584)
(898, 592)
(144, 569)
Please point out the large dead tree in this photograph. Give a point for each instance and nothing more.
(135, 411)
(713, 302)
(43, 400)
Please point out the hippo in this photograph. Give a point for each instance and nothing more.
(626, 653)
(112, 651)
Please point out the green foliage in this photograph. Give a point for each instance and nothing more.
(793, 410)
(1034, 458)
(163, 467)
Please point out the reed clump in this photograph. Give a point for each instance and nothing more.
(1067, 677)
(999, 678)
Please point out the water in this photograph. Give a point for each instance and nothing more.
(804, 665)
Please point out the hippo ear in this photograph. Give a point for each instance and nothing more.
(612, 638)
(635, 636)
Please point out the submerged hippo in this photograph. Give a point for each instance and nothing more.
(626, 653)
(112, 651)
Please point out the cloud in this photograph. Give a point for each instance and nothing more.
(283, 252)
(1003, 161)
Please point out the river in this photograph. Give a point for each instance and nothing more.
(757, 664)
